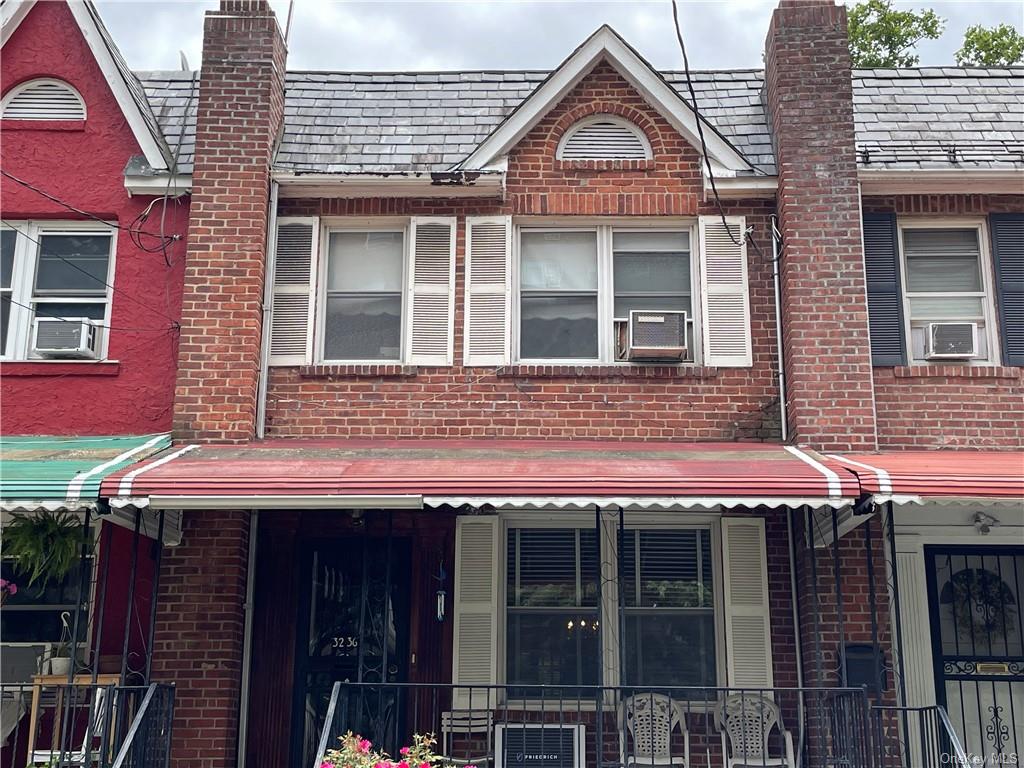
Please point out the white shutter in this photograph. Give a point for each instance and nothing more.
(487, 338)
(477, 573)
(725, 303)
(748, 634)
(432, 291)
(293, 296)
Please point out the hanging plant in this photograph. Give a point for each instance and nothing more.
(43, 544)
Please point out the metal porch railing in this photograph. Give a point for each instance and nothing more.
(497, 726)
(103, 726)
(918, 737)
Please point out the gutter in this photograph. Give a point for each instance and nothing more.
(250, 596)
(779, 346)
(445, 184)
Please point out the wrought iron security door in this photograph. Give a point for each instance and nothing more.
(975, 601)
(353, 627)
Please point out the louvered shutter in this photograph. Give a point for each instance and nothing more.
(477, 572)
(487, 335)
(1008, 252)
(294, 290)
(725, 303)
(432, 291)
(885, 297)
(747, 621)
(44, 100)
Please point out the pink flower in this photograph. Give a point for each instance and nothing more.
(12, 588)
(326, 764)
(402, 764)
(403, 751)
(364, 746)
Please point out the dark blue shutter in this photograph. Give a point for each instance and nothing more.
(885, 299)
(1008, 254)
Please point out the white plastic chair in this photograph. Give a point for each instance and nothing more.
(466, 723)
(746, 722)
(92, 730)
(648, 720)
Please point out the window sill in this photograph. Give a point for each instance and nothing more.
(60, 368)
(42, 125)
(382, 371)
(956, 372)
(598, 371)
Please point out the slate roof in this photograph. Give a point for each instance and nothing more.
(345, 122)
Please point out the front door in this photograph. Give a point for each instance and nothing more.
(353, 626)
(975, 598)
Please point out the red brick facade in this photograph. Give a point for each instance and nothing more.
(825, 324)
(938, 406)
(561, 402)
(200, 624)
(241, 104)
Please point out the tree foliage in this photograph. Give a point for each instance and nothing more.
(881, 36)
(991, 47)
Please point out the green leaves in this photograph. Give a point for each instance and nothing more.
(881, 36)
(44, 544)
(991, 47)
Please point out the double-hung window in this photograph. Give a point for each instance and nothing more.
(364, 298)
(577, 287)
(668, 602)
(554, 609)
(946, 280)
(52, 270)
(552, 629)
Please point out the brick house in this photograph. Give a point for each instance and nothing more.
(431, 477)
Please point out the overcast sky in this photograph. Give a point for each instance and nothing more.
(497, 34)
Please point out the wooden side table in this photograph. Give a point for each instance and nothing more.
(43, 681)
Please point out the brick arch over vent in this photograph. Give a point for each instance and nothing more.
(627, 113)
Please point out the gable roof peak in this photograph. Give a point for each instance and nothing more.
(608, 45)
(124, 84)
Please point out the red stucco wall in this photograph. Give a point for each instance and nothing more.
(84, 166)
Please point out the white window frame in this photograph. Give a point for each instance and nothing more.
(359, 225)
(987, 294)
(23, 278)
(633, 128)
(609, 592)
(605, 229)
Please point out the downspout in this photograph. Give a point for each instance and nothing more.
(250, 591)
(776, 258)
(797, 641)
(268, 303)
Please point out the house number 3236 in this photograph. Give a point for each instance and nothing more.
(345, 641)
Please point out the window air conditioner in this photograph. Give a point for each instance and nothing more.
(538, 745)
(952, 341)
(70, 337)
(657, 335)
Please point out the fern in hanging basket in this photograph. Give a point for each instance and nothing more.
(43, 544)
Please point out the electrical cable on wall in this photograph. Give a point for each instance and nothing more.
(90, 275)
(744, 236)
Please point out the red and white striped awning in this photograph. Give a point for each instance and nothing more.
(324, 473)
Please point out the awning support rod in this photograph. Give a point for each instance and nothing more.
(895, 574)
(131, 597)
(620, 594)
(873, 605)
(83, 586)
(101, 611)
(157, 559)
(840, 617)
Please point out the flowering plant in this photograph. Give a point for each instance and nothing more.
(7, 589)
(357, 752)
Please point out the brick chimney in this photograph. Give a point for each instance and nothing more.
(825, 322)
(240, 111)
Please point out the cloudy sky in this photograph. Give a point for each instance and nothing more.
(498, 34)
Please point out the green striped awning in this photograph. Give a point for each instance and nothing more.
(55, 472)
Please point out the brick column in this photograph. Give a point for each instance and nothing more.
(825, 323)
(200, 628)
(240, 110)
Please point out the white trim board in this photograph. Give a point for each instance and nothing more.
(605, 45)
